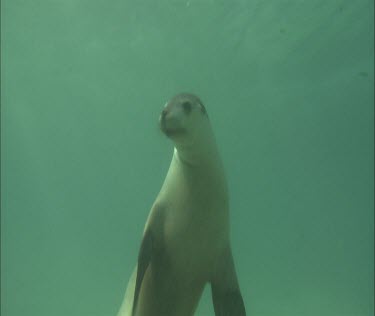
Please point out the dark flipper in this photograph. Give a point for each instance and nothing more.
(226, 295)
(228, 302)
(144, 260)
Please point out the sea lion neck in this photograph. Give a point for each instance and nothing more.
(201, 154)
(199, 149)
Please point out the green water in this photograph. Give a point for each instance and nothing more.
(288, 85)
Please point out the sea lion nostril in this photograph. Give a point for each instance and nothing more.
(187, 107)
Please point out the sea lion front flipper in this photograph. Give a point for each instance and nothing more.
(144, 260)
(127, 304)
(226, 295)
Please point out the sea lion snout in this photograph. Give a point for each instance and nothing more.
(171, 122)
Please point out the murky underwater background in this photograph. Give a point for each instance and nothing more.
(288, 85)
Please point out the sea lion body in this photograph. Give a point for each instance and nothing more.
(186, 237)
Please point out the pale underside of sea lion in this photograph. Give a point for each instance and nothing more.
(186, 241)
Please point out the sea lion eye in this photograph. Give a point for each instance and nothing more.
(187, 107)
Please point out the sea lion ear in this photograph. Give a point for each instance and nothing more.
(203, 109)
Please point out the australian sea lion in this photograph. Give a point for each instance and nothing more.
(186, 237)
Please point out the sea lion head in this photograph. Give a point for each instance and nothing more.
(183, 117)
